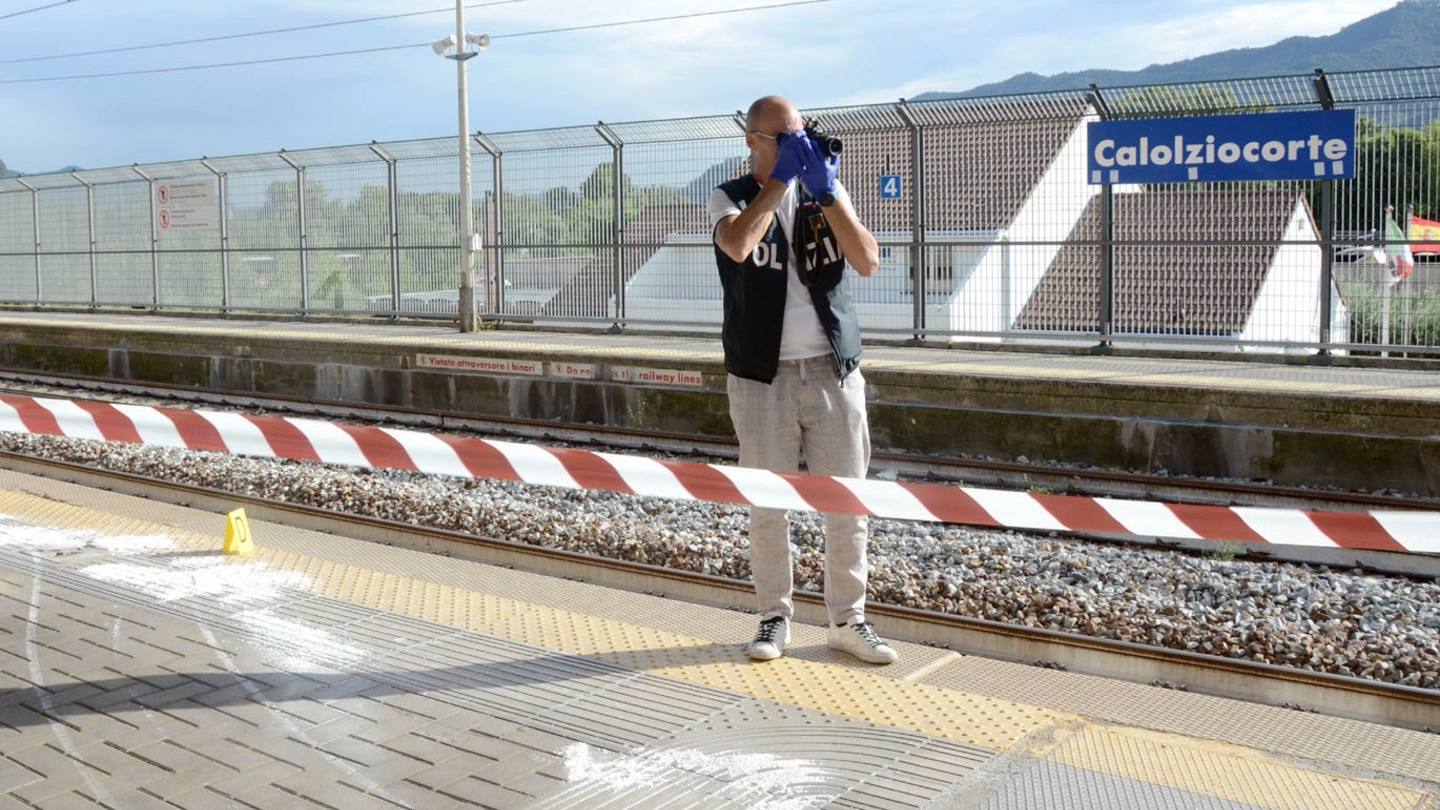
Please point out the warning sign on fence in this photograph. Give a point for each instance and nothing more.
(188, 205)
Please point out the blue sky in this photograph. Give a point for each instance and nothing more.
(819, 54)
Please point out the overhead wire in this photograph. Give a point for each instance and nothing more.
(33, 10)
(271, 60)
(202, 40)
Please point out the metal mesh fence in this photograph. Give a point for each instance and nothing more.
(987, 226)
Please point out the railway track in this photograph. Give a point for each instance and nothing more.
(1357, 698)
(1019, 476)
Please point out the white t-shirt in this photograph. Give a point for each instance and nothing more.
(801, 335)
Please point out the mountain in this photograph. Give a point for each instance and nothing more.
(1407, 35)
(4, 172)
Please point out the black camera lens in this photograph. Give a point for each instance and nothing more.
(829, 144)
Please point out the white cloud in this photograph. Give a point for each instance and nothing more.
(1243, 26)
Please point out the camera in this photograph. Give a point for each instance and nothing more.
(830, 146)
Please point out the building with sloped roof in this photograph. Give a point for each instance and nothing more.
(1011, 237)
(999, 195)
(1193, 263)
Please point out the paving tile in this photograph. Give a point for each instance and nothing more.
(14, 775)
(170, 757)
(482, 745)
(124, 690)
(131, 800)
(355, 750)
(539, 739)
(298, 754)
(418, 796)
(515, 767)
(20, 716)
(306, 782)
(487, 795)
(37, 792)
(310, 713)
(423, 705)
(343, 688)
(341, 797)
(387, 773)
(269, 797)
(265, 773)
(544, 782)
(84, 722)
(421, 748)
(146, 726)
(341, 727)
(202, 798)
(230, 753)
(45, 759)
(199, 774)
(112, 761)
(392, 728)
(65, 800)
(173, 694)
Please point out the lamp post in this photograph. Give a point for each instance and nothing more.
(469, 239)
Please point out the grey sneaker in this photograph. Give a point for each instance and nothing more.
(770, 639)
(858, 638)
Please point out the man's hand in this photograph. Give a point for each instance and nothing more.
(819, 170)
(794, 148)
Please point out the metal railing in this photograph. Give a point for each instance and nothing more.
(988, 228)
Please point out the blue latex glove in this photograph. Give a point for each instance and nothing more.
(819, 170)
(790, 159)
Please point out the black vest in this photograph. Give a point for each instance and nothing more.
(754, 296)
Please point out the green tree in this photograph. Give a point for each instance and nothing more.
(1158, 101)
(1393, 166)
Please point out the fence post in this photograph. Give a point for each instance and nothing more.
(1327, 235)
(90, 232)
(304, 254)
(918, 262)
(154, 242)
(392, 215)
(1107, 246)
(35, 227)
(618, 147)
(220, 188)
(494, 279)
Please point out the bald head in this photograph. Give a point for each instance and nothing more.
(773, 114)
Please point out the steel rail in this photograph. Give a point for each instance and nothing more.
(1009, 474)
(1088, 482)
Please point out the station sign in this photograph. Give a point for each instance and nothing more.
(1313, 145)
(892, 187)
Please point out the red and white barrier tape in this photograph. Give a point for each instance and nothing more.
(314, 440)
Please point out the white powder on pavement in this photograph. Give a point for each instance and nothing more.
(16, 533)
(754, 781)
(209, 577)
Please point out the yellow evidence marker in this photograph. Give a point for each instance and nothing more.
(237, 533)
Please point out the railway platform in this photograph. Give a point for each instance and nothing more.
(1356, 424)
(140, 667)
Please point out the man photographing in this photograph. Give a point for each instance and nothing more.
(783, 237)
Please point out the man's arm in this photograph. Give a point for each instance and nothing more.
(856, 241)
(820, 172)
(738, 235)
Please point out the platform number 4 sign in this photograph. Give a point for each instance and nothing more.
(890, 187)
